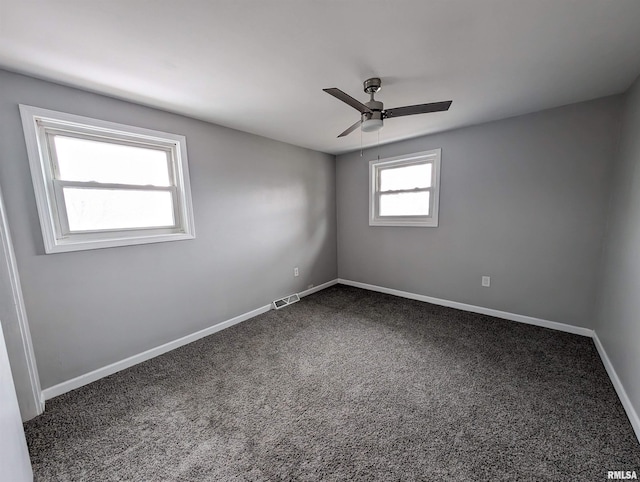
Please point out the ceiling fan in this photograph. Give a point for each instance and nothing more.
(373, 112)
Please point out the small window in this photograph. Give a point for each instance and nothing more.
(99, 184)
(404, 190)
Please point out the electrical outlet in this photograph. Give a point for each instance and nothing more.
(486, 281)
(295, 271)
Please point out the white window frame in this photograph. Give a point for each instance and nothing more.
(40, 124)
(426, 157)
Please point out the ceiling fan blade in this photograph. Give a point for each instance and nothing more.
(347, 99)
(418, 109)
(351, 129)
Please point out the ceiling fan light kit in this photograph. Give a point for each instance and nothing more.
(371, 122)
(373, 112)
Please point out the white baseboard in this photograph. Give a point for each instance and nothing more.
(315, 289)
(617, 384)
(87, 378)
(82, 380)
(577, 330)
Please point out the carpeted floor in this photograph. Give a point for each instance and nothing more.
(347, 385)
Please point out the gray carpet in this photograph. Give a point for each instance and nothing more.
(347, 385)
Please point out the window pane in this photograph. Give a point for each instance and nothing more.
(96, 209)
(405, 204)
(88, 160)
(406, 177)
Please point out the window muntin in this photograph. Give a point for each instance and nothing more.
(404, 190)
(100, 184)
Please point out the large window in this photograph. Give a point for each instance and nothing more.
(99, 184)
(404, 190)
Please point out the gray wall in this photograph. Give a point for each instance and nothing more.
(522, 200)
(618, 323)
(261, 208)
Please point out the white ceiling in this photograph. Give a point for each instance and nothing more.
(260, 65)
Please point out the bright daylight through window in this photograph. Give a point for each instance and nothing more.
(404, 190)
(100, 184)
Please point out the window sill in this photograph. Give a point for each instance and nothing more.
(431, 223)
(66, 245)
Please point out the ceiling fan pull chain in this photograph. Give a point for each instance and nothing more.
(361, 143)
(378, 141)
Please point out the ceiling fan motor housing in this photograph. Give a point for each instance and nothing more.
(372, 121)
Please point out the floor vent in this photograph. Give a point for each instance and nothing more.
(287, 300)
